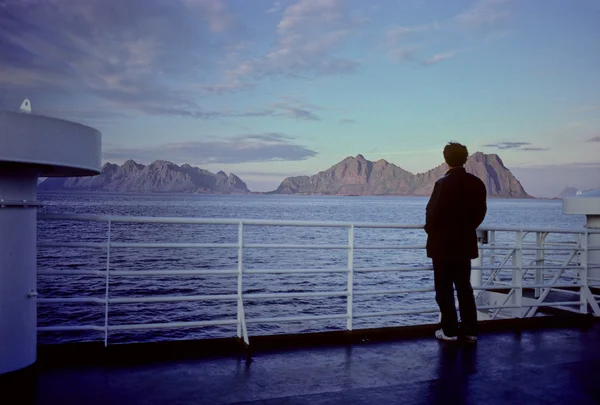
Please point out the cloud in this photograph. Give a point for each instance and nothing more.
(514, 146)
(439, 57)
(345, 121)
(264, 147)
(403, 54)
(275, 7)
(296, 107)
(594, 139)
(483, 14)
(135, 55)
(397, 34)
(309, 39)
(223, 88)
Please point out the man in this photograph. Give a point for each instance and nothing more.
(455, 210)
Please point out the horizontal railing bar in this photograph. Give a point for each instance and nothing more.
(100, 273)
(507, 286)
(392, 292)
(535, 230)
(173, 245)
(188, 298)
(554, 304)
(389, 247)
(170, 272)
(296, 318)
(393, 313)
(552, 285)
(385, 269)
(294, 271)
(137, 245)
(294, 295)
(231, 221)
(182, 245)
(77, 300)
(171, 298)
(166, 325)
(92, 245)
(565, 291)
(545, 304)
(217, 221)
(561, 248)
(140, 273)
(68, 328)
(291, 246)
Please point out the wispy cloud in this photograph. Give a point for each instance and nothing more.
(594, 139)
(264, 147)
(309, 37)
(223, 88)
(397, 34)
(275, 8)
(346, 121)
(525, 146)
(135, 54)
(483, 14)
(297, 107)
(439, 57)
(403, 54)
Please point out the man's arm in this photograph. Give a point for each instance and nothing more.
(480, 206)
(432, 212)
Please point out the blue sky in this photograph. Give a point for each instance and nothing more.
(267, 89)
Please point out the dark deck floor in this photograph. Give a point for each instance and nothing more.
(547, 366)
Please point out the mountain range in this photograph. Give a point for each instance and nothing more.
(359, 176)
(158, 177)
(351, 176)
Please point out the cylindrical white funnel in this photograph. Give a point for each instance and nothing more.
(18, 312)
(31, 146)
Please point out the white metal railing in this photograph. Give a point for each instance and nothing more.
(558, 266)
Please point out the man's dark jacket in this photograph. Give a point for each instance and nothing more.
(455, 210)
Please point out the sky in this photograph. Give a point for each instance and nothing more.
(269, 89)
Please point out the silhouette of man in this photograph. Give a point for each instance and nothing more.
(455, 210)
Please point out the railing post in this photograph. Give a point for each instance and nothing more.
(477, 274)
(540, 239)
(350, 276)
(107, 284)
(583, 272)
(518, 274)
(239, 280)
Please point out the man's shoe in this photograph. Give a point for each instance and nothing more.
(439, 334)
(471, 339)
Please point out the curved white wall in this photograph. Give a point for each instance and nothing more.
(54, 146)
(31, 146)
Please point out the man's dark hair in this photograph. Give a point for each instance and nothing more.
(455, 154)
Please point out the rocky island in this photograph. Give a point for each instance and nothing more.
(158, 177)
(359, 176)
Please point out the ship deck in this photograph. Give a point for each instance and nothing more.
(540, 365)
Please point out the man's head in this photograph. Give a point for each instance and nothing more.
(455, 154)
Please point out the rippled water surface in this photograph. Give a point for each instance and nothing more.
(405, 210)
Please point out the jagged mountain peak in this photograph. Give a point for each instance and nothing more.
(160, 176)
(359, 176)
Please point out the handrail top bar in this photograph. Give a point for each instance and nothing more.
(275, 222)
